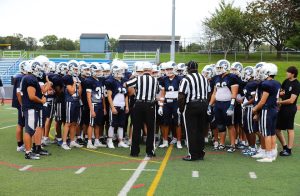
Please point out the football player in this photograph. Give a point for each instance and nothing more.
(224, 96)
(268, 110)
(96, 103)
(118, 102)
(170, 111)
(72, 95)
(32, 104)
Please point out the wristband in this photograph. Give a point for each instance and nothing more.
(232, 102)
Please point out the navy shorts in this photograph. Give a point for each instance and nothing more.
(170, 115)
(286, 118)
(98, 120)
(238, 119)
(248, 120)
(73, 112)
(49, 109)
(85, 118)
(21, 119)
(267, 122)
(33, 119)
(212, 120)
(220, 110)
(117, 120)
(60, 112)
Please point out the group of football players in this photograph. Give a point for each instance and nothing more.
(91, 106)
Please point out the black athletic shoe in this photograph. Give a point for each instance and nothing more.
(285, 153)
(150, 155)
(189, 158)
(81, 142)
(43, 152)
(32, 156)
(134, 155)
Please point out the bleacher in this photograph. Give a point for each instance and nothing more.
(8, 68)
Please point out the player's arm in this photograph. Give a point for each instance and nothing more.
(31, 93)
(126, 104)
(19, 97)
(110, 101)
(79, 89)
(104, 105)
(71, 88)
(213, 97)
(89, 100)
(262, 102)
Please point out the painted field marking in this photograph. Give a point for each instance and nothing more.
(10, 108)
(135, 169)
(162, 167)
(297, 124)
(80, 170)
(25, 168)
(195, 174)
(252, 175)
(8, 127)
(134, 177)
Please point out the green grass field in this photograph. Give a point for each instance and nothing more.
(219, 174)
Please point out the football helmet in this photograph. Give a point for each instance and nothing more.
(268, 69)
(208, 71)
(74, 68)
(222, 66)
(85, 69)
(236, 68)
(35, 68)
(96, 70)
(117, 71)
(22, 67)
(105, 69)
(181, 69)
(248, 73)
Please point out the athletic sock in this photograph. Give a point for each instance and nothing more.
(111, 132)
(97, 141)
(289, 150)
(90, 142)
(33, 146)
(120, 133)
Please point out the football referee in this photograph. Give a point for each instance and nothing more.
(144, 110)
(192, 101)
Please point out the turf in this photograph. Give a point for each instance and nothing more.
(219, 174)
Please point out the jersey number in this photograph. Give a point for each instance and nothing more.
(98, 90)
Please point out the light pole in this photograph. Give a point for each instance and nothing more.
(172, 55)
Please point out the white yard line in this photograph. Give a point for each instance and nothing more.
(195, 174)
(134, 177)
(136, 169)
(7, 126)
(297, 124)
(252, 175)
(80, 170)
(25, 168)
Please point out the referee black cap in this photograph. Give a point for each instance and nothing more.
(192, 66)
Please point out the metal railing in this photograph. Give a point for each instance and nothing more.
(11, 54)
(139, 55)
(70, 55)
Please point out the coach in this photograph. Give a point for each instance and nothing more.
(144, 110)
(192, 101)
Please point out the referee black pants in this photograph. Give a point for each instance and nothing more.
(195, 122)
(143, 113)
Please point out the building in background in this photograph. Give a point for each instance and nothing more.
(94, 42)
(146, 43)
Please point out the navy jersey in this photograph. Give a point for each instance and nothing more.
(27, 81)
(68, 80)
(242, 85)
(127, 75)
(273, 88)
(250, 89)
(258, 93)
(83, 93)
(115, 86)
(50, 93)
(96, 88)
(58, 83)
(223, 86)
(1, 84)
(17, 88)
(171, 86)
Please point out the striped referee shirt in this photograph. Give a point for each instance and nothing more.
(194, 86)
(146, 87)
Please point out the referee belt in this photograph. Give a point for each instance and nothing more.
(198, 101)
(143, 101)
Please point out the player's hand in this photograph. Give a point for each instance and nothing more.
(230, 110)
(93, 113)
(114, 110)
(254, 110)
(104, 112)
(44, 100)
(126, 110)
(209, 110)
(160, 111)
(255, 117)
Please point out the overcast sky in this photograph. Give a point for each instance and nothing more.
(70, 18)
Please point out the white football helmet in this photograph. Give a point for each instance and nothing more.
(105, 69)
(236, 68)
(155, 71)
(170, 68)
(43, 60)
(85, 69)
(222, 66)
(257, 67)
(74, 68)
(147, 66)
(22, 67)
(51, 68)
(248, 73)
(138, 68)
(35, 68)
(268, 69)
(63, 68)
(208, 71)
(96, 70)
(117, 71)
(181, 69)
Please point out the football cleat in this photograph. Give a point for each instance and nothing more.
(65, 147)
(123, 145)
(43, 152)
(99, 145)
(31, 156)
(75, 144)
(179, 146)
(110, 144)
(91, 146)
(21, 148)
(231, 149)
(265, 160)
(164, 144)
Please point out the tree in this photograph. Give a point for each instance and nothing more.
(49, 42)
(113, 44)
(77, 45)
(194, 47)
(278, 21)
(65, 44)
(31, 43)
(225, 22)
(16, 42)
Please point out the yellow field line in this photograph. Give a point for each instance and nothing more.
(110, 154)
(162, 167)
